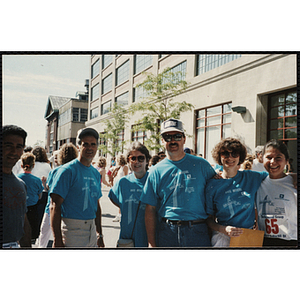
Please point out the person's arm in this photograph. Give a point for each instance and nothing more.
(100, 242)
(150, 222)
(227, 230)
(25, 241)
(55, 220)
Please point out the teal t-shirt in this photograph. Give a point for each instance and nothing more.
(80, 187)
(126, 193)
(232, 201)
(176, 188)
(34, 188)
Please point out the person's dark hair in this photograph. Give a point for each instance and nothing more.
(28, 161)
(28, 149)
(154, 160)
(279, 145)
(137, 146)
(14, 130)
(231, 144)
(67, 153)
(40, 154)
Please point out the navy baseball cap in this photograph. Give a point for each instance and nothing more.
(171, 125)
(88, 132)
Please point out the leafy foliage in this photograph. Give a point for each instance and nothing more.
(158, 105)
(115, 124)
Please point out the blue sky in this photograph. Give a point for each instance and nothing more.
(28, 80)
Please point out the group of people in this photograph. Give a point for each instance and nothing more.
(177, 200)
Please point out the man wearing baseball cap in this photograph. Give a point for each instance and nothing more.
(75, 212)
(174, 194)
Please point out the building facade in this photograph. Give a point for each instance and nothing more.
(249, 96)
(65, 116)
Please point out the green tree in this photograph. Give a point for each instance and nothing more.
(158, 104)
(115, 125)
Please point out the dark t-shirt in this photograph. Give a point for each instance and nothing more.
(14, 208)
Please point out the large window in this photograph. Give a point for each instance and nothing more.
(139, 93)
(107, 84)
(95, 69)
(282, 120)
(105, 107)
(141, 62)
(283, 116)
(138, 135)
(207, 62)
(106, 60)
(122, 73)
(213, 124)
(79, 114)
(94, 112)
(95, 92)
(122, 99)
(64, 118)
(119, 142)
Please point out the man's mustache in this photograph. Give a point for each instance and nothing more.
(173, 144)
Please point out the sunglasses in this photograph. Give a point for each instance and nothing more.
(175, 137)
(140, 158)
(233, 154)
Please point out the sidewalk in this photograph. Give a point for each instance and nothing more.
(110, 229)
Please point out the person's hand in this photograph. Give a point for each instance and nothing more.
(233, 231)
(100, 242)
(58, 244)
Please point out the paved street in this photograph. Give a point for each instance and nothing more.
(110, 229)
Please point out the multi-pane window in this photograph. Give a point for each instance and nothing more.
(213, 124)
(122, 99)
(64, 118)
(83, 114)
(141, 62)
(79, 114)
(102, 142)
(105, 107)
(106, 60)
(181, 69)
(107, 84)
(122, 73)
(207, 62)
(139, 93)
(283, 116)
(94, 112)
(95, 92)
(95, 69)
(282, 121)
(139, 136)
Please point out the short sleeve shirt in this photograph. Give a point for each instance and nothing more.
(176, 188)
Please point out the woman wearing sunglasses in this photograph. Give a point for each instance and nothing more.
(230, 201)
(126, 194)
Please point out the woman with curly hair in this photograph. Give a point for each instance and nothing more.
(67, 153)
(101, 166)
(230, 201)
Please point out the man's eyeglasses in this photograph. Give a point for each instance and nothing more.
(140, 158)
(233, 154)
(175, 137)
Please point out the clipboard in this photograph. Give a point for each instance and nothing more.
(249, 238)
